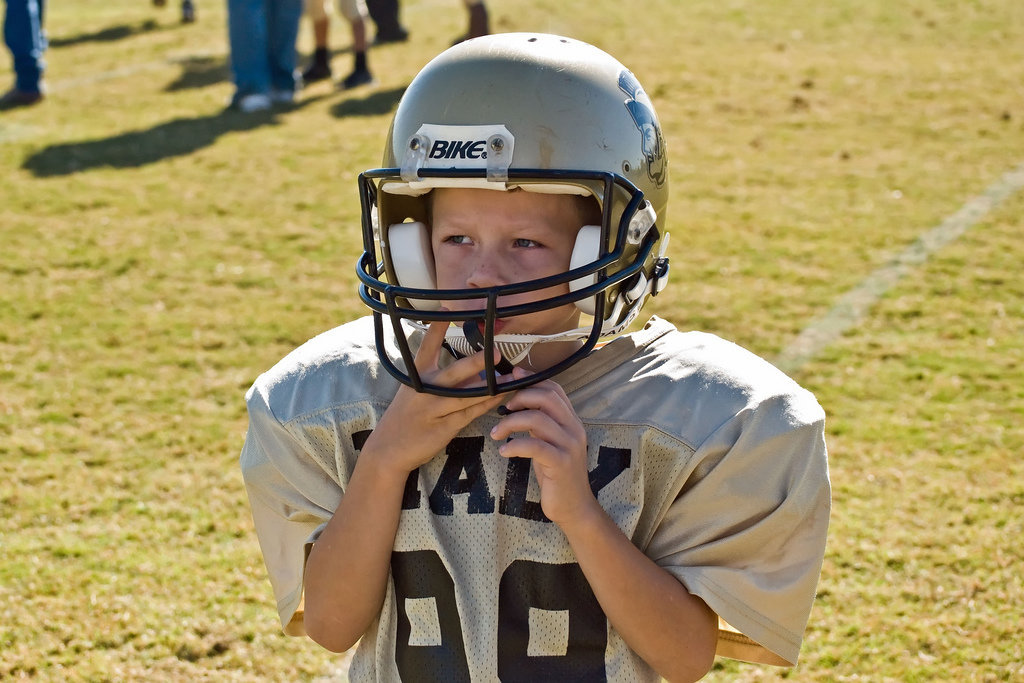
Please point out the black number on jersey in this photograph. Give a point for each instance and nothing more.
(524, 585)
(421, 574)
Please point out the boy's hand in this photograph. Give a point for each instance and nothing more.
(416, 426)
(557, 444)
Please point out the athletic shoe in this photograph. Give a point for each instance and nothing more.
(356, 78)
(19, 98)
(282, 96)
(252, 103)
(317, 71)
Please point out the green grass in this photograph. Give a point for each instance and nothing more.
(157, 254)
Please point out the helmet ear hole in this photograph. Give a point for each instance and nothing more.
(587, 250)
(413, 260)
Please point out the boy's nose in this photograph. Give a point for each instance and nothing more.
(486, 272)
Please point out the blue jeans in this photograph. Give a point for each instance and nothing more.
(262, 35)
(23, 33)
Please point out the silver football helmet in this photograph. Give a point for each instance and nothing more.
(537, 112)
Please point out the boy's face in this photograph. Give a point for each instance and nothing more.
(484, 238)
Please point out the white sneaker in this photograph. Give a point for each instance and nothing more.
(282, 96)
(253, 102)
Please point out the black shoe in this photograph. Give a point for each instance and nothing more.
(356, 78)
(317, 71)
(19, 98)
(188, 12)
(398, 36)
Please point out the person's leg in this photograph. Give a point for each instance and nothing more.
(355, 12)
(248, 40)
(479, 24)
(385, 16)
(24, 37)
(285, 16)
(320, 67)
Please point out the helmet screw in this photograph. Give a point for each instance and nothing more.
(625, 167)
(414, 144)
(497, 144)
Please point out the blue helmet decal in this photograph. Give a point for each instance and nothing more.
(652, 141)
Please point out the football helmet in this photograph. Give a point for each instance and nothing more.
(540, 113)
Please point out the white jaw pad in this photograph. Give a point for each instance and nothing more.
(413, 260)
(587, 250)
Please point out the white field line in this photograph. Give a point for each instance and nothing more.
(853, 306)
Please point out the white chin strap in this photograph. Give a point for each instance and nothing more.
(516, 347)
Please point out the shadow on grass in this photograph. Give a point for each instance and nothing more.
(380, 102)
(200, 72)
(138, 148)
(106, 35)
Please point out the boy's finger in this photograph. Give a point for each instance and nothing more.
(537, 423)
(465, 369)
(543, 397)
(538, 450)
(430, 347)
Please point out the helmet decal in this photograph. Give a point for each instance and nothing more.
(642, 111)
(440, 146)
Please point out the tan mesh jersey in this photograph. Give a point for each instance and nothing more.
(711, 460)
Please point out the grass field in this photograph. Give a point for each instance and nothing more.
(157, 254)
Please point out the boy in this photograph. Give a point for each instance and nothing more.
(465, 483)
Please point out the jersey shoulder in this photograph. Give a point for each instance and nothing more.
(335, 367)
(690, 383)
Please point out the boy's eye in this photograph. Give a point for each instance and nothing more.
(457, 239)
(523, 242)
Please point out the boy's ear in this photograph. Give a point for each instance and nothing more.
(413, 259)
(587, 250)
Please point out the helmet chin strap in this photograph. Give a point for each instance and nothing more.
(472, 335)
(515, 348)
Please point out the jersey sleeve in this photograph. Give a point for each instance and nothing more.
(291, 497)
(747, 531)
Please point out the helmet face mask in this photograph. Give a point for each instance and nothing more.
(467, 121)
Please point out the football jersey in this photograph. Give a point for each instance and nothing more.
(708, 458)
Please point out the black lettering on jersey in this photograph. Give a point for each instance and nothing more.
(554, 587)
(524, 584)
(513, 502)
(411, 495)
(422, 574)
(464, 455)
(611, 462)
(359, 438)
